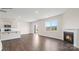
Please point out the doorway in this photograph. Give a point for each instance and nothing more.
(35, 29)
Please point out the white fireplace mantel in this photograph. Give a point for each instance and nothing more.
(76, 36)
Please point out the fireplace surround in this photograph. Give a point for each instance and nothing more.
(71, 36)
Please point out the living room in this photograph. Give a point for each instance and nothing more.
(39, 29)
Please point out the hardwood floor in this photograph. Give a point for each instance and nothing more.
(37, 43)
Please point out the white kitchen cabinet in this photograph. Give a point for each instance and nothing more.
(0, 45)
(9, 35)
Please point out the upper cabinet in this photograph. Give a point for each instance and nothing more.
(6, 21)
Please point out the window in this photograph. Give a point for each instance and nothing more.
(51, 25)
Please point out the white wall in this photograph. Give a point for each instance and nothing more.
(1, 23)
(42, 29)
(17, 25)
(71, 19)
(23, 27)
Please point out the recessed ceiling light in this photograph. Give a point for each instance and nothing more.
(37, 12)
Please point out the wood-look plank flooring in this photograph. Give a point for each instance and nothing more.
(34, 42)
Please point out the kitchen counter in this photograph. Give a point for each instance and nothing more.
(9, 32)
(0, 45)
(8, 35)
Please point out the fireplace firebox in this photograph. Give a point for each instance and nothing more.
(69, 37)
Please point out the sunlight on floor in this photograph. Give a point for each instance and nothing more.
(36, 40)
(49, 45)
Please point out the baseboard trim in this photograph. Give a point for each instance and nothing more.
(51, 37)
(27, 33)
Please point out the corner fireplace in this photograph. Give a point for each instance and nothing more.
(69, 37)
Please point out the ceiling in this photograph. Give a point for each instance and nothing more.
(31, 14)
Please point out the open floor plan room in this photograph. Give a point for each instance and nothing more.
(39, 29)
